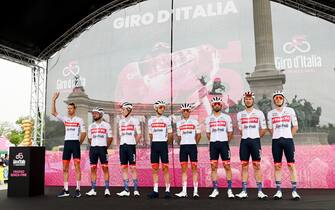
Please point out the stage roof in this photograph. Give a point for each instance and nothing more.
(36, 29)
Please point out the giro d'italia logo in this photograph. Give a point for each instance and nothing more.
(297, 44)
(72, 77)
(298, 56)
(19, 160)
(72, 69)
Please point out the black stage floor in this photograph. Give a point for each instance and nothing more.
(311, 199)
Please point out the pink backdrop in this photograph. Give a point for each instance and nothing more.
(315, 166)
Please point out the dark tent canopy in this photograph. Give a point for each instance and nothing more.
(36, 29)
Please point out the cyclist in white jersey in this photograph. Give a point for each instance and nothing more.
(100, 138)
(252, 125)
(219, 131)
(130, 135)
(75, 134)
(283, 125)
(188, 135)
(160, 134)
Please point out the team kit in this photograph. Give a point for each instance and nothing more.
(281, 122)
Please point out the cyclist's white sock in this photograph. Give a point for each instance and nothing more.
(195, 184)
(78, 185)
(167, 187)
(184, 186)
(66, 186)
(156, 187)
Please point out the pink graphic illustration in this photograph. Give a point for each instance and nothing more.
(152, 75)
(314, 166)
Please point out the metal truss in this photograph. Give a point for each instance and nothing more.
(17, 57)
(38, 89)
(85, 24)
(311, 7)
(39, 74)
(37, 103)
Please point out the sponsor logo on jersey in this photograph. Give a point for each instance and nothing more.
(158, 125)
(219, 123)
(281, 119)
(249, 120)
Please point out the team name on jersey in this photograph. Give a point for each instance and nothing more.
(99, 133)
(71, 124)
(158, 126)
(249, 120)
(219, 123)
(187, 129)
(279, 119)
(98, 130)
(127, 127)
(127, 130)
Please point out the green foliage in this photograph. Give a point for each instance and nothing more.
(5, 127)
(15, 137)
(54, 133)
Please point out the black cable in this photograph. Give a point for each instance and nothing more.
(171, 86)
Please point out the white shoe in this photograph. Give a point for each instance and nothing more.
(261, 195)
(107, 193)
(136, 193)
(91, 193)
(195, 195)
(242, 195)
(278, 195)
(295, 195)
(214, 194)
(230, 194)
(182, 194)
(124, 193)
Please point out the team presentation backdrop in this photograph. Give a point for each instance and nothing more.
(126, 57)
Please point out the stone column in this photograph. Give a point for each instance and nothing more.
(265, 79)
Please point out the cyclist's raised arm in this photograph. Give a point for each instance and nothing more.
(53, 104)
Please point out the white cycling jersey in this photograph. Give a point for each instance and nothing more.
(159, 127)
(99, 132)
(187, 129)
(250, 123)
(281, 122)
(73, 127)
(128, 127)
(219, 127)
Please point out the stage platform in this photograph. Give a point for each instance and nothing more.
(311, 199)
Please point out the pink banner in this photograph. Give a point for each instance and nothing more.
(314, 167)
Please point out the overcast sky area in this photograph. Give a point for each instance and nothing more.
(15, 81)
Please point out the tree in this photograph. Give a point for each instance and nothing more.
(5, 127)
(54, 133)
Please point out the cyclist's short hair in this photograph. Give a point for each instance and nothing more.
(72, 104)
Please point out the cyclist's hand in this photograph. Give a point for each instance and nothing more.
(55, 96)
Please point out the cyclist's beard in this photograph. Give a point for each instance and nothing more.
(97, 119)
(249, 106)
(217, 109)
